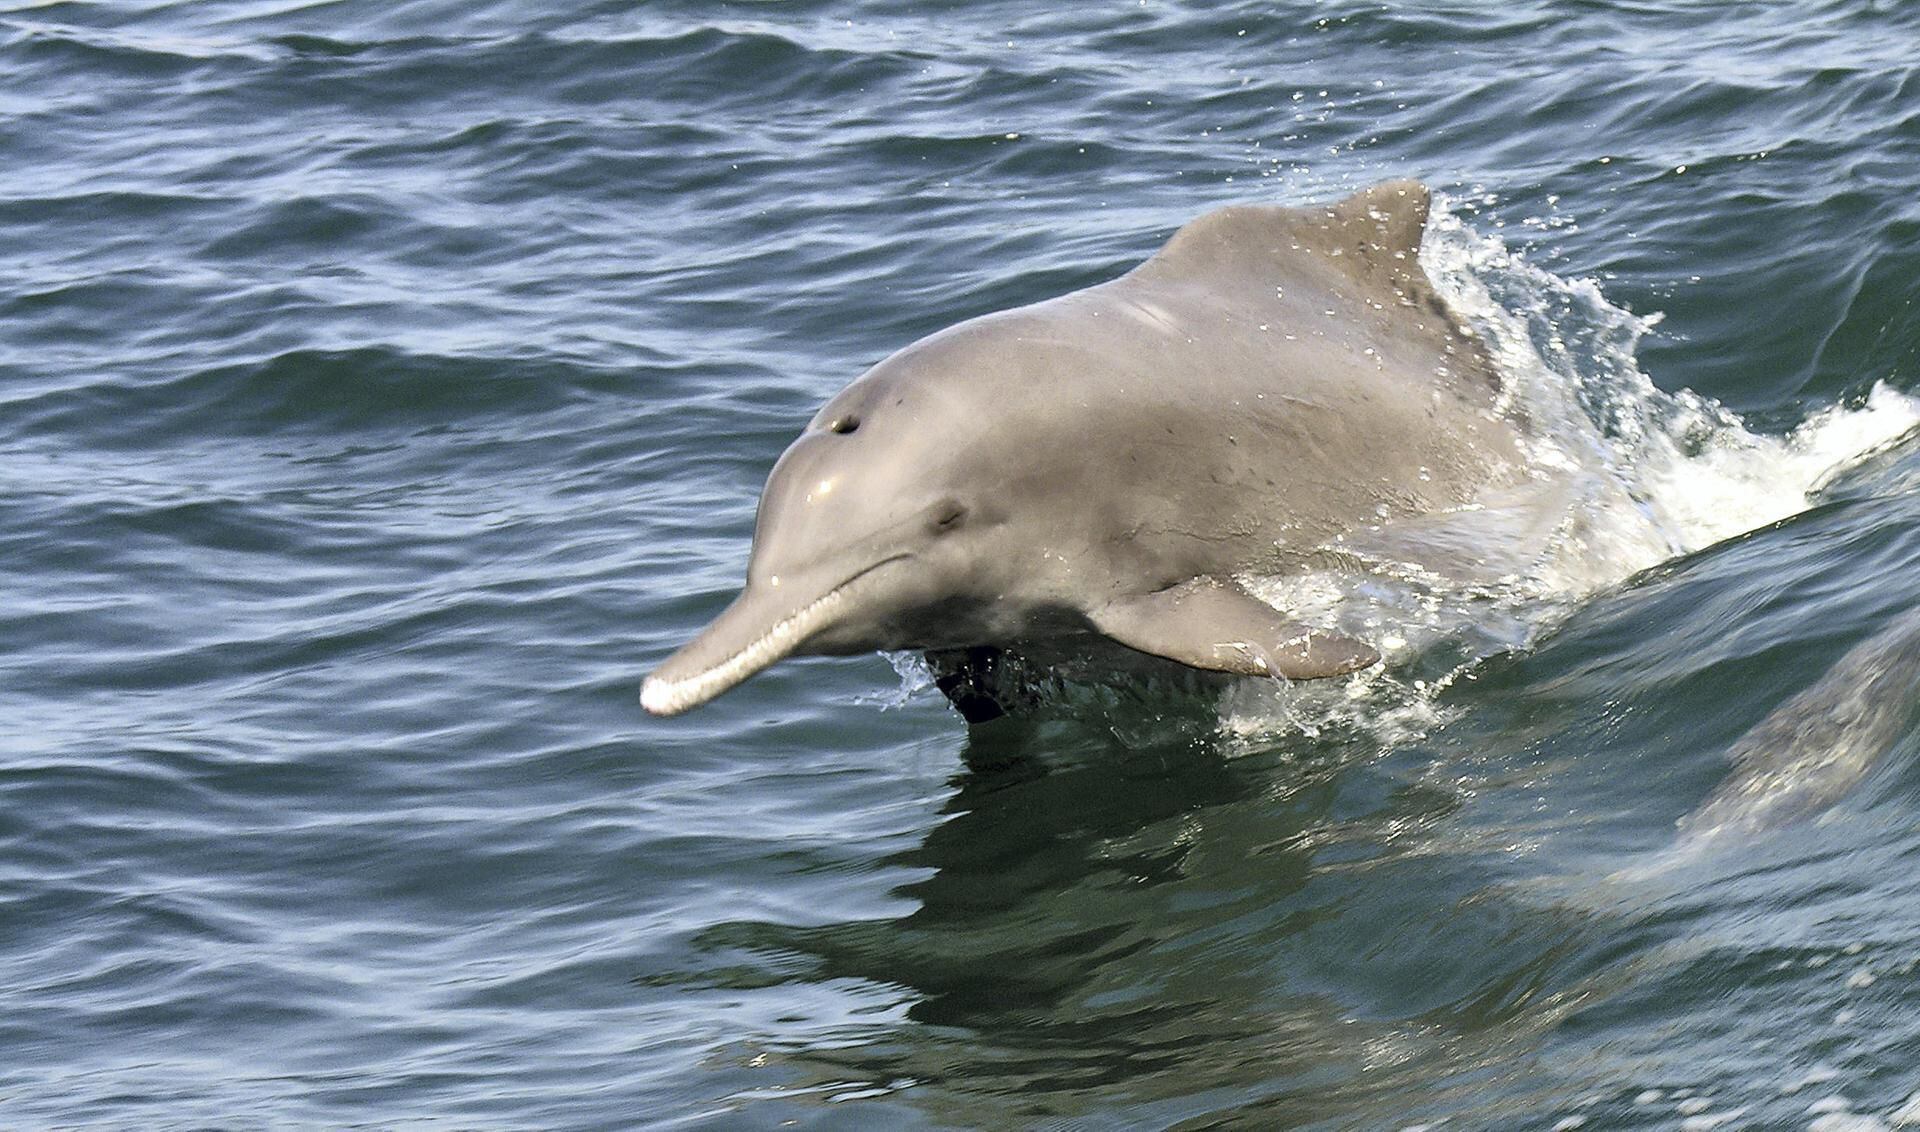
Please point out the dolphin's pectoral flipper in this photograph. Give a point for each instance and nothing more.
(1214, 624)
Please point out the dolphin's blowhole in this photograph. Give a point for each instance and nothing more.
(946, 516)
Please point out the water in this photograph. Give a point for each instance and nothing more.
(388, 386)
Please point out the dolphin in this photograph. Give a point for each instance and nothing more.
(1105, 466)
(1809, 752)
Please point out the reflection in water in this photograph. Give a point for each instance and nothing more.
(1148, 923)
(1151, 914)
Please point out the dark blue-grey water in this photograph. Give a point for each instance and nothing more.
(386, 387)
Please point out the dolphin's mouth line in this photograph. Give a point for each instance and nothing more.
(665, 696)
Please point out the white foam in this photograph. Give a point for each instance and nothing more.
(1653, 474)
(1818, 1075)
(1846, 1122)
(1621, 476)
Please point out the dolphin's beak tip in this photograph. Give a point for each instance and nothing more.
(657, 696)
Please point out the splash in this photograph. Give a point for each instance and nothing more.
(1621, 476)
(1651, 474)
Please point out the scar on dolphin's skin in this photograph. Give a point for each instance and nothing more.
(1072, 475)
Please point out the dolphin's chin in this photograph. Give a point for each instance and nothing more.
(747, 637)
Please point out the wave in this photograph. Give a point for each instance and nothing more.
(375, 390)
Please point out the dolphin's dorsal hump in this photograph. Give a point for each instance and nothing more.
(1376, 231)
(1363, 251)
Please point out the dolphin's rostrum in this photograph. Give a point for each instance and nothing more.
(1107, 463)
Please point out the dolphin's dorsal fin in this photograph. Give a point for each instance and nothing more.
(1377, 228)
(1386, 220)
(1363, 251)
(1213, 623)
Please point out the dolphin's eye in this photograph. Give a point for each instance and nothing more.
(844, 423)
(946, 516)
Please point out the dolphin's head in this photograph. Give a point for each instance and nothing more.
(869, 536)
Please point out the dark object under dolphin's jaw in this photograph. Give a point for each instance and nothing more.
(969, 679)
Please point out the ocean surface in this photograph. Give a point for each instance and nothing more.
(385, 387)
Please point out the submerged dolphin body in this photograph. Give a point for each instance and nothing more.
(1105, 463)
(1809, 752)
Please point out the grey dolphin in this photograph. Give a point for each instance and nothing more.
(1103, 464)
(1807, 753)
